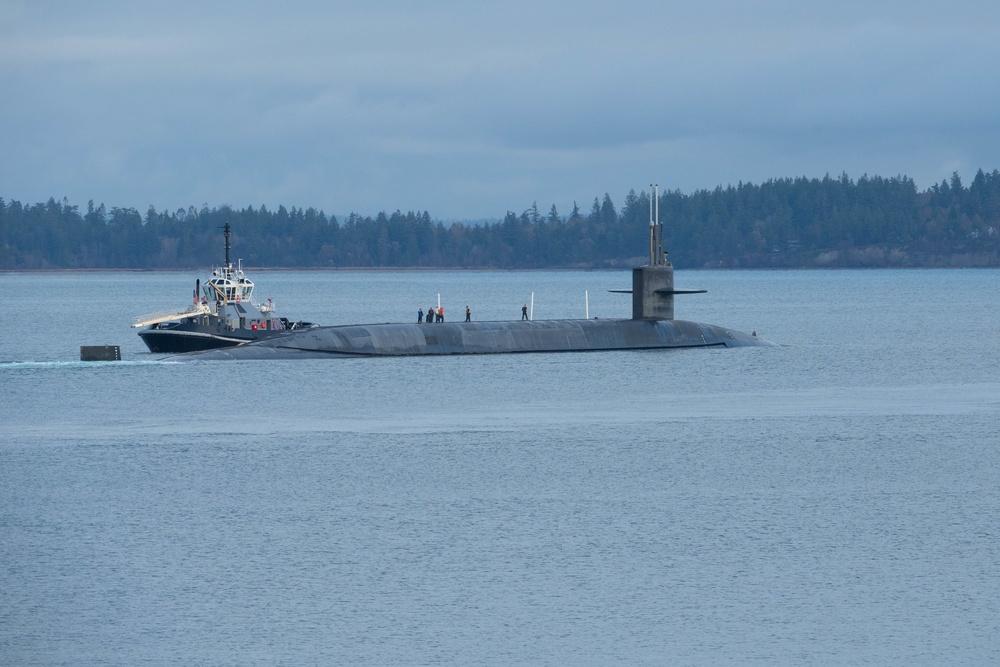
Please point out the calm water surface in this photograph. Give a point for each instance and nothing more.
(834, 499)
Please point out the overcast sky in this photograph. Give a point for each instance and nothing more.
(469, 109)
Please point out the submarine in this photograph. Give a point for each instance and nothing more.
(652, 327)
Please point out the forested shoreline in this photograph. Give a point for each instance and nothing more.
(781, 223)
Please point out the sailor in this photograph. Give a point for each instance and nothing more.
(524, 312)
(468, 314)
(420, 315)
(430, 314)
(440, 313)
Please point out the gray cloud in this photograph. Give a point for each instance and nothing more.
(466, 109)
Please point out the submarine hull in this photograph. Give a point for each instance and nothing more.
(449, 338)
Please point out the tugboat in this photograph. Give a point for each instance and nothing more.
(223, 314)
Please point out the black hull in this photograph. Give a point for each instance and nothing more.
(196, 339)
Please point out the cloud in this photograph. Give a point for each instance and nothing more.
(467, 109)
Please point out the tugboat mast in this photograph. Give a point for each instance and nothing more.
(226, 228)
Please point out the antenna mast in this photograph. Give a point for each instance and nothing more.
(652, 229)
(226, 227)
(661, 260)
(656, 257)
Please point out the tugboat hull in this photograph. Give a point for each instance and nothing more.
(185, 337)
(171, 341)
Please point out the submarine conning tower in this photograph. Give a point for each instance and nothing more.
(653, 292)
(653, 285)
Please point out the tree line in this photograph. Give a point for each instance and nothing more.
(786, 223)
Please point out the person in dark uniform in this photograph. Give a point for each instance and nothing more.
(468, 314)
(430, 314)
(420, 315)
(524, 312)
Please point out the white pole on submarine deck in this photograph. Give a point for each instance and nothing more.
(531, 313)
(439, 300)
(586, 304)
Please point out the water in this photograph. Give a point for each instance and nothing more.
(831, 500)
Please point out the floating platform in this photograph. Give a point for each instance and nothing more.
(100, 353)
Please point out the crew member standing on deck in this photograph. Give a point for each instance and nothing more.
(420, 315)
(440, 313)
(524, 312)
(430, 315)
(468, 314)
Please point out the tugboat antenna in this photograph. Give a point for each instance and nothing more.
(226, 227)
